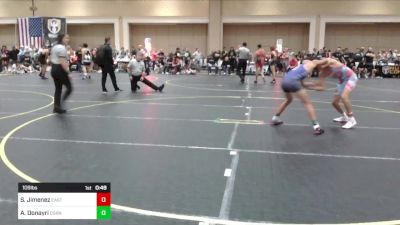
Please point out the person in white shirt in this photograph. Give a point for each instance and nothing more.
(244, 56)
(60, 71)
(137, 72)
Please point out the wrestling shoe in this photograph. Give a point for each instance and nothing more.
(59, 111)
(160, 89)
(351, 122)
(276, 121)
(318, 130)
(341, 119)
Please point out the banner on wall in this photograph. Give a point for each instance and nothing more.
(279, 45)
(30, 32)
(52, 27)
(147, 46)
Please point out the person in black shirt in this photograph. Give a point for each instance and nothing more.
(79, 62)
(350, 62)
(133, 52)
(338, 53)
(161, 60)
(225, 60)
(358, 57)
(345, 56)
(369, 62)
(43, 55)
(108, 66)
(216, 56)
(147, 61)
(168, 65)
(13, 54)
(232, 60)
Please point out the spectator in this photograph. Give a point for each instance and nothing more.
(260, 56)
(13, 54)
(42, 59)
(21, 54)
(79, 59)
(369, 62)
(176, 64)
(232, 60)
(161, 61)
(293, 62)
(86, 61)
(153, 58)
(26, 65)
(274, 63)
(225, 60)
(186, 56)
(197, 55)
(4, 58)
(168, 65)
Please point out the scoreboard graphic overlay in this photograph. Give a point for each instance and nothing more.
(70, 201)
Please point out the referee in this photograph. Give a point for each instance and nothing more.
(60, 71)
(244, 55)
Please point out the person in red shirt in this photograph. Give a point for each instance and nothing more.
(260, 56)
(293, 62)
(153, 55)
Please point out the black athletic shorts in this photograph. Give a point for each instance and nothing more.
(361, 65)
(369, 66)
(42, 61)
(274, 62)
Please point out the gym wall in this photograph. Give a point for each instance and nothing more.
(92, 34)
(310, 7)
(379, 36)
(7, 35)
(169, 37)
(103, 8)
(198, 8)
(295, 36)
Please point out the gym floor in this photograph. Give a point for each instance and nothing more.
(203, 151)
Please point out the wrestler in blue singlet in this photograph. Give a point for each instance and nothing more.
(291, 82)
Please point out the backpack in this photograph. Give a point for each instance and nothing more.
(100, 55)
(87, 58)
